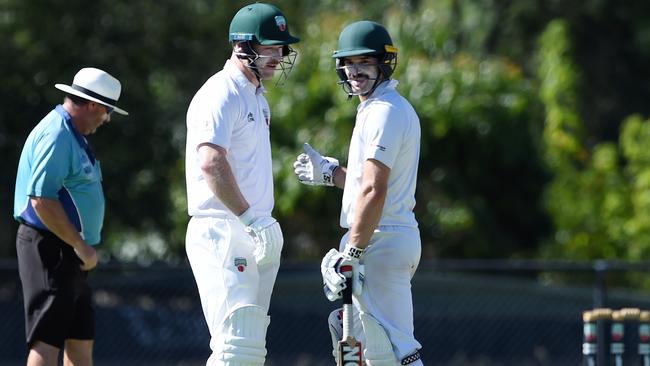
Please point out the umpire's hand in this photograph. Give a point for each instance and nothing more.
(88, 256)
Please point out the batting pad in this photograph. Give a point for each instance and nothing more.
(379, 350)
(244, 335)
(336, 331)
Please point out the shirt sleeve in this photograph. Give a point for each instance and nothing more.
(51, 164)
(214, 119)
(382, 134)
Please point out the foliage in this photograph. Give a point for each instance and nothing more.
(602, 210)
(159, 50)
(478, 120)
(521, 102)
(598, 198)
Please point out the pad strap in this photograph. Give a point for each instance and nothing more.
(412, 357)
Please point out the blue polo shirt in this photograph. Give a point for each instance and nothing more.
(57, 163)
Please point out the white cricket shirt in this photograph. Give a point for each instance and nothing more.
(229, 111)
(387, 129)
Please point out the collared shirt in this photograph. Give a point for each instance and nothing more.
(57, 163)
(387, 129)
(230, 112)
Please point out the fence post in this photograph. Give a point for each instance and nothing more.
(600, 300)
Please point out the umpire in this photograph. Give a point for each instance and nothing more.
(59, 203)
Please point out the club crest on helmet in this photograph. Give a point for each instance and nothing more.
(281, 23)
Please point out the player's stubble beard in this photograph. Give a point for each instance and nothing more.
(266, 66)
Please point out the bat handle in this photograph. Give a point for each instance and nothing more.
(348, 319)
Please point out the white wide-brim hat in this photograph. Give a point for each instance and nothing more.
(95, 85)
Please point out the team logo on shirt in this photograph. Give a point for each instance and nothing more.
(241, 264)
(281, 23)
(379, 147)
(85, 164)
(267, 117)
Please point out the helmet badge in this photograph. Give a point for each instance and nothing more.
(281, 23)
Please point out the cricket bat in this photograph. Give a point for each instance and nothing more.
(350, 351)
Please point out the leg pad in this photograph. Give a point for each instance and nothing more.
(335, 321)
(379, 350)
(244, 337)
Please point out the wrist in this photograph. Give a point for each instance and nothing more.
(79, 245)
(352, 252)
(247, 217)
(336, 169)
(330, 168)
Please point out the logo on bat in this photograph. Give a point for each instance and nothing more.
(350, 355)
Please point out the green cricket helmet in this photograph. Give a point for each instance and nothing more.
(261, 23)
(365, 38)
(265, 25)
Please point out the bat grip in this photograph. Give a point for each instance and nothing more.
(348, 321)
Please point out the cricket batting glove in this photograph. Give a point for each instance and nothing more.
(314, 169)
(267, 236)
(333, 279)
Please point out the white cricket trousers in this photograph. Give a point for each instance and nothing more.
(221, 256)
(390, 262)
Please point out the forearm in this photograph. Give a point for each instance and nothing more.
(52, 214)
(370, 202)
(369, 206)
(221, 180)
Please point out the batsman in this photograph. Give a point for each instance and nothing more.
(233, 243)
(382, 242)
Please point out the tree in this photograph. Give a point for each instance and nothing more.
(508, 138)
